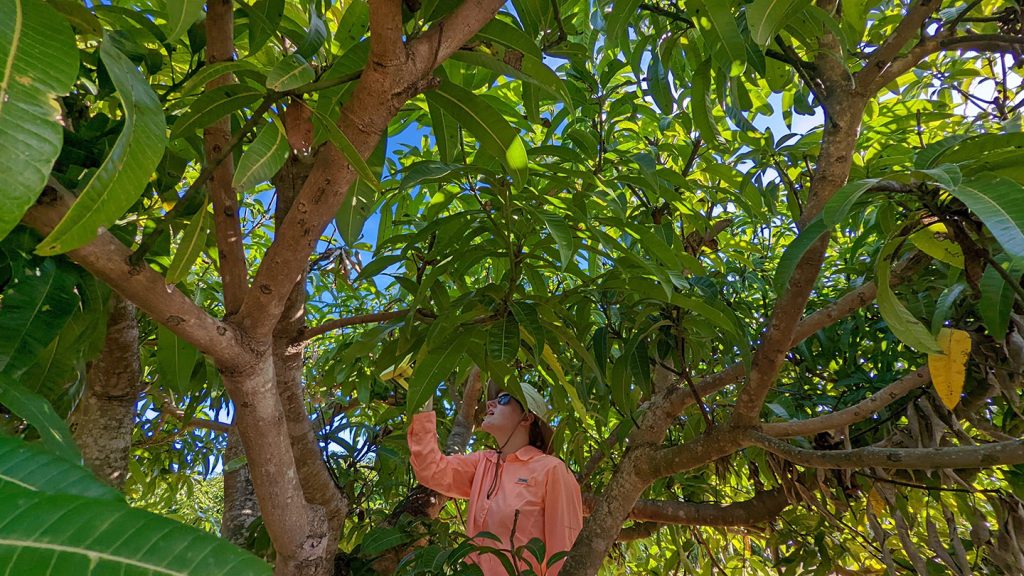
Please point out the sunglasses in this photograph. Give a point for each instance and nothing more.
(503, 399)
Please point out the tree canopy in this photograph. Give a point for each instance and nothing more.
(763, 258)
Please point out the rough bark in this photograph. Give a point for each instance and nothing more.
(317, 485)
(103, 420)
(240, 505)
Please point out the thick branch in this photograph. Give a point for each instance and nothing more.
(853, 414)
(386, 46)
(983, 42)
(713, 445)
(331, 325)
(216, 138)
(908, 29)
(981, 456)
(379, 95)
(109, 260)
(758, 510)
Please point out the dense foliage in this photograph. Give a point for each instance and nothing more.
(700, 228)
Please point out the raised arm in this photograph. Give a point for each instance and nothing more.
(449, 475)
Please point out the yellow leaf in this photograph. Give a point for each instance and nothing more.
(949, 368)
(876, 502)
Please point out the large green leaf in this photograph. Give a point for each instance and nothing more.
(766, 17)
(700, 105)
(840, 204)
(999, 202)
(562, 233)
(717, 25)
(35, 410)
(360, 200)
(795, 252)
(345, 146)
(263, 158)
(434, 362)
(181, 14)
(191, 245)
(27, 466)
(212, 106)
(175, 360)
(264, 18)
(290, 73)
(60, 535)
(503, 339)
(903, 324)
(495, 135)
(996, 301)
(35, 309)
(123, 176)
(38, 61)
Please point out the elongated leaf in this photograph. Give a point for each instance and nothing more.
(291, 72)
(209, 72)
(264, 18)
(344, 145)
(902, 323)
(59, 534)
(521, 67)
(617, 24)
(31, 34)
(175, 359)
(700, 105)
(795, 252)
(35, 309)
(434, 362)
(945, 304)
(362, 196)
(446, 132)
(560, 231)
(999, 202)
(29, 467)
(35, 410)
(949, 368)
(718, 26)
(503, 339)
(191, 245)
(766, 17)
(658, 86)
(997, 301)
(212, 106)
(495, 135)
(529, 323)
(840, 204)
(380, 539)
(181, 14)
(263, 158)
(935, 242)
(125, 171)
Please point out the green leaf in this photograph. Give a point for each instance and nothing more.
(840, 204)
(529, 321)
(381, 539)
(208, 72)
(617, 24)
(446, 132)
(562, 234)
(263, 158)
(26, 466)
(935, 242)
(75, 535)
(290, 73)
(434, 362)
(901, 322)
(35, 309)
(181, 14)
(503, 339)
(997, 301)
(175, 360)
(192, 242)
(344, 145)
(213, 105)
(495, 135)
(264, 19)
(658, 86)
(999, 202)
(358, 204)
(766, 17)
(795, 252)
(521, 67)
(700, 105)
(717, 25)
(35, 410)
(316, 35)
(38, 62)
(945, 303)
(126, 170)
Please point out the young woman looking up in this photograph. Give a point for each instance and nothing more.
(517, 484)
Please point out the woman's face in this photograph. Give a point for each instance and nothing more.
(504, 414)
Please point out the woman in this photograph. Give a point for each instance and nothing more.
(516, 492)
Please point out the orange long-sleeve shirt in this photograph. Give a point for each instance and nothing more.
(539, 486)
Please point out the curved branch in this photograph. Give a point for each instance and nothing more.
(981, 456)
(852, 414)
(109, 260)
(883, 57)
(331, 325)
(758, 510)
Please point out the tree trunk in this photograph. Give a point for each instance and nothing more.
(240, 505)
(102, 422)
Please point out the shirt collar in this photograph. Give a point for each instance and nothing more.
(526, 453)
